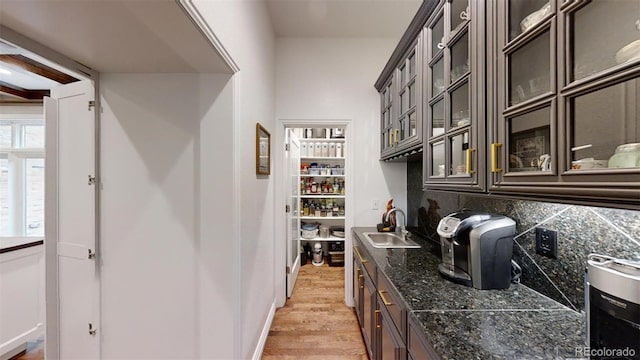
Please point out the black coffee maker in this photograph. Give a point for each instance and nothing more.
(476, 249)
(612, 297)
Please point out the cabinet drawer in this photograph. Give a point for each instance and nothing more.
(361, 254)
(390, 299)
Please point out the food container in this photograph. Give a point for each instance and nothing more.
(337, 171)
(324, 231)
(626, 156)
(309, 230)
(319, 133)
(314, 171)
(309, 234)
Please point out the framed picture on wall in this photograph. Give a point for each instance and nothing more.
(263, 150)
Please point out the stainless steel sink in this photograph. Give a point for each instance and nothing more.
(389, 240)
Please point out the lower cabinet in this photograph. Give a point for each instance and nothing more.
(368, 325)
(364, 293)
(382, 320)
(390, 342)
(417, 344)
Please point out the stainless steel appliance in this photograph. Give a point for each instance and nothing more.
(476, 249)
(613, 307)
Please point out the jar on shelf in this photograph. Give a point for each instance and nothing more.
(325, 149)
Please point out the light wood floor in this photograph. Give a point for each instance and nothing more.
(316, 323)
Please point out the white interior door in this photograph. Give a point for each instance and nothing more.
(292, 159)
(71, 218)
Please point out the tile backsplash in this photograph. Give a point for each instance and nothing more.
(581, 230)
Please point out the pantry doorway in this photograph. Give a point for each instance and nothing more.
(317, 194)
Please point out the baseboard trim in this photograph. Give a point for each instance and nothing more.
(14, 346)
(257, 354)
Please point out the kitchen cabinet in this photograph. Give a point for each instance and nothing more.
(401, 111)
(390, 322)
(566, 90)
(417, 345)
(379, 309)
(390, 344)
(454, 96)
(323, 185)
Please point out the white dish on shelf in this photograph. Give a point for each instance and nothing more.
(535, 17)
(629, 52)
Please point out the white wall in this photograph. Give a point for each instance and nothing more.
(331, 78)
(166, 284)
(244, 29)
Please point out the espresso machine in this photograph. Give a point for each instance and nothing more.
(476, 249)
(612, 297)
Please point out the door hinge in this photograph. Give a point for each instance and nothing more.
(287, 208)
(92, 103)
(92, 255)
(286, 147)
(288, 270)
(92, 331)
(92, 180)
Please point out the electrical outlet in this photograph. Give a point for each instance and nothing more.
(547, 242)
(375, 204)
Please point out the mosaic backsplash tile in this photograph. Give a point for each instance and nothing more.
(582, 230)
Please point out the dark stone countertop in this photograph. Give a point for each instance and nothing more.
(465, 323)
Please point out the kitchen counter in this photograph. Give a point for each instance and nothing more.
(461, 322)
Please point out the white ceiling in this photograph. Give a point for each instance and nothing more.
(133, 36)
(116, 35)
(342, 18)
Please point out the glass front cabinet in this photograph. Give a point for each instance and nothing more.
(566, 92)
(454, 96)
(400, 113)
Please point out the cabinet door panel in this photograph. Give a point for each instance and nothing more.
(530, 69)
(611, 28)
(600, 122)
(460, 58)
(525, 14)
(529, 141)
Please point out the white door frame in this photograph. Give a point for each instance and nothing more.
(65, 64)
(280, 228)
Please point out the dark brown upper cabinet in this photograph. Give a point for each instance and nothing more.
(566, 89)
(400, 108)
(454, 96)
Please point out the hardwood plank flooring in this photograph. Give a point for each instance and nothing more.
(315, 323)
(35, 350)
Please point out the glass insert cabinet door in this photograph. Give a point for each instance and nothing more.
(603, 120)
(386, 103)
(450, 79)
(407, 121)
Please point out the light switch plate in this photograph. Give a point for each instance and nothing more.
(375, 204)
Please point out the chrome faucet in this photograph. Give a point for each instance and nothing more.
(400, 229)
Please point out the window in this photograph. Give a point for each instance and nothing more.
(21, 177)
